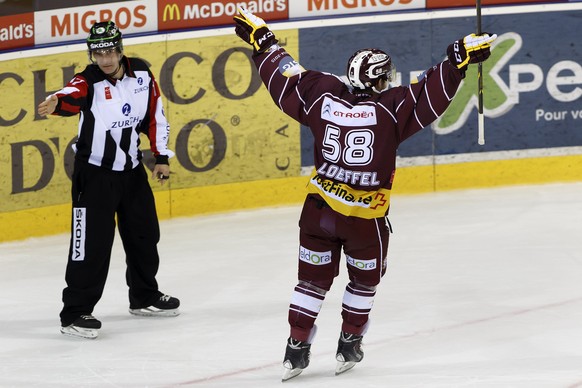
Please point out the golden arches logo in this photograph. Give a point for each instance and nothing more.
(171, 10)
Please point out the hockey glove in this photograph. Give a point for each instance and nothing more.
(253, 30)
(470, 49)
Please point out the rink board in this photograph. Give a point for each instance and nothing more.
(236, 150)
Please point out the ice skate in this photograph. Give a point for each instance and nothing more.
(349, 352)
(296, 358)
(86, 326)
(165, 306)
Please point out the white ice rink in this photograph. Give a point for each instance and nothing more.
(483, 289)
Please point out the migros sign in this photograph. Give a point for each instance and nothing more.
(311, 8)
(178, 14)
(74, 23)
(77, 22)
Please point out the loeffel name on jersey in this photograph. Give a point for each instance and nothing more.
(355, 116)
(362, 178)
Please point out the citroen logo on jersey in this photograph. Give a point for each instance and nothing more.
(326, 110)
(126, 110)
(348, 116)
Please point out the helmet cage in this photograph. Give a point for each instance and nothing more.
(367, 66)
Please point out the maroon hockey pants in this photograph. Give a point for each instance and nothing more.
(323, 234)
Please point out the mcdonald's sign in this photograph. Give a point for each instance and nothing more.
(171, 15)
(171, 12)
(187, 14)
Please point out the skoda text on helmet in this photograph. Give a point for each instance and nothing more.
(367, 66)
(104, 36)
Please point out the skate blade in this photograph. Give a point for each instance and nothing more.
(154, 312)
(79, 332)
(342, 366)
(290, 372)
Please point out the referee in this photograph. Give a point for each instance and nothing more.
(116, 98)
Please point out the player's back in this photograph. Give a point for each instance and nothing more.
(353, 132)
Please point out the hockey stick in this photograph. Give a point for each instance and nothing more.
(481, 123)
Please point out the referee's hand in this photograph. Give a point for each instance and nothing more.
(161, 173)
(48, 106)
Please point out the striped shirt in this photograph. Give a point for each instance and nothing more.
(112, 114)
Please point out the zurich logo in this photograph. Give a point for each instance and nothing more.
(140, 80)
(126, 109)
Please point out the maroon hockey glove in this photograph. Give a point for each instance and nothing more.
(470, 49)
(253, 30)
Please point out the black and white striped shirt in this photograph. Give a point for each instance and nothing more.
(112, 114)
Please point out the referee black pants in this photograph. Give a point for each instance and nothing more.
(98, 196)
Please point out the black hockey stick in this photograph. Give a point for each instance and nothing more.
(481, 124)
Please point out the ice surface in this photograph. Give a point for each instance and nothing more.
(483, 289)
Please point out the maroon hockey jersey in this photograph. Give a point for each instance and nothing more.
(356, 134)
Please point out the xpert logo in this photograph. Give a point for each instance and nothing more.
(557, 83)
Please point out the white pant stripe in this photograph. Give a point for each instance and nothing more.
(307, 302)
(358, 302)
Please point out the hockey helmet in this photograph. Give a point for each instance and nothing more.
(104, 36)
(366, 66)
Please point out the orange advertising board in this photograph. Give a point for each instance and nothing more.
(471, 3)
(187, 14)
(16, 31)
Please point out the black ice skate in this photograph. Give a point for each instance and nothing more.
(85, 326)
(165, 306)
(296, 359)
(349, 352)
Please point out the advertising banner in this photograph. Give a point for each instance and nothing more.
(224, 126)
(73, 24)
(188, 14)
(316, 8)
(532, 82)
(471, 3)
(16, 31)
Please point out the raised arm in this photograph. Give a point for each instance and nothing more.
(429, 97)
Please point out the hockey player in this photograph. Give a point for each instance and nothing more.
(116, 98)
(357, 127)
